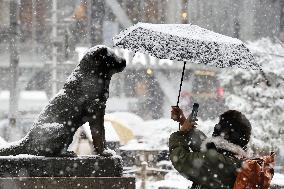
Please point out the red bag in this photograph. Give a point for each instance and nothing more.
(255, 173)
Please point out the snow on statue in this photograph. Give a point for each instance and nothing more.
(81, 100)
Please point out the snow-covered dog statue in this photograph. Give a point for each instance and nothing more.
(81, 100)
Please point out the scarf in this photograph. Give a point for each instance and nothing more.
(223, 144)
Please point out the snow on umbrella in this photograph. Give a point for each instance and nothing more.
(186, 42)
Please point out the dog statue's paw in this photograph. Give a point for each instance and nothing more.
(108, 153)
(67, 154)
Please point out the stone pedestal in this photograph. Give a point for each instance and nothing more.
(96, 172)
(68, 183)
(37, 166)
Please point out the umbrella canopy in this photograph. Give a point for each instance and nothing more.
(186, 42)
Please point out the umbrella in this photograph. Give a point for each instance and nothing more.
(186, 42)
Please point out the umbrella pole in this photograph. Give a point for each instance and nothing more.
(181, 80)
(265, 77)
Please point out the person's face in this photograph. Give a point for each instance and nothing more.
(220, 131)
(217, 130)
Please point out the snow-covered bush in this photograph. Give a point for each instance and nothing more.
(248, 92)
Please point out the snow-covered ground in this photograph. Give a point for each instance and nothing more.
(278, 179)
(172, 180)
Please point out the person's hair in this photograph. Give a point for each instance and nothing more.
(234, 127)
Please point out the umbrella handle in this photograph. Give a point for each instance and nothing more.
(182, 75)
(181, 80)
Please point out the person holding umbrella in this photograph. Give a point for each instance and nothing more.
(210, 162)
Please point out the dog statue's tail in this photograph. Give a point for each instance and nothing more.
(13, 148)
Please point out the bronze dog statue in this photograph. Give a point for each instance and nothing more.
(82, 99)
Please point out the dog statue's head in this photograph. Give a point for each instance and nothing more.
(102, 60)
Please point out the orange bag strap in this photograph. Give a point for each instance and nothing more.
(262, 175)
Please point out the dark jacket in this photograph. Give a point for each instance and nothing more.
(211, 168)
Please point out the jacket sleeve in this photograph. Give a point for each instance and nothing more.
(210, 168)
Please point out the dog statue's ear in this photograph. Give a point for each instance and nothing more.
(103, 51)
(96, 52)
(93, 57)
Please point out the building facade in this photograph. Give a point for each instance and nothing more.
(246, 19)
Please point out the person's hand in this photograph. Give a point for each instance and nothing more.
(177, 115)
(188, 124)
(191, 119)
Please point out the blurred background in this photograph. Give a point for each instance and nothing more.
(41, 42)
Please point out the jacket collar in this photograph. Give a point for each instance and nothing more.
(224, 144)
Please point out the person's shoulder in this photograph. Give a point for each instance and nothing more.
(217, 158)
(179, 133)
(197, 132)
(178, 138)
